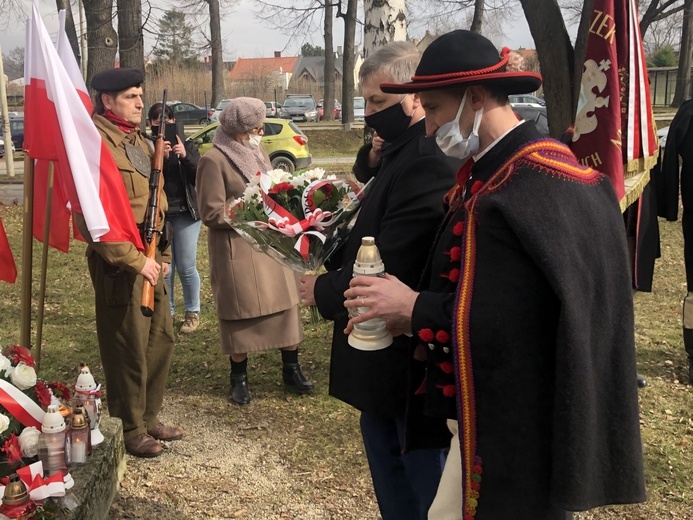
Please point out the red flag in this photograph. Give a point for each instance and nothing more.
(58, 127)
(614, 127)
(8, 269)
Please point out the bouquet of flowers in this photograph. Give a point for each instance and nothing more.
(299, 220)
(23, 401)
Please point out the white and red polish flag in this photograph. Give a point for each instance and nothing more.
(58, 127)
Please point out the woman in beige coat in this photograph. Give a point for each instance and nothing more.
(256, 298)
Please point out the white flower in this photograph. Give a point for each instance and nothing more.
(255, 180)
(278, 176)
(314, 174)
(28, 441)
(23, 376)
(5, 364)
(251, 193)
(4, 422)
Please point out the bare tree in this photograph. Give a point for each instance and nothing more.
(655, 10)
(101, 36)
(130, 36)
(217, 51)
(683, 76)
(14, 63)
(328, 73)
(349, 59)
(385, 21)
(478, 16)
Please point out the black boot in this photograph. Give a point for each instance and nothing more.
(239, 389)
(293, 376)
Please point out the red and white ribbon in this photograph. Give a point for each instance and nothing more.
(20, 405)
(39, 488)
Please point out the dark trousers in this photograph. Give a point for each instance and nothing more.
(405, 484)
(136, 351)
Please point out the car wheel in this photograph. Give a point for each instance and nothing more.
(283, 163)
(204, 121)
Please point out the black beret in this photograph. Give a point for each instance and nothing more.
(116, 80)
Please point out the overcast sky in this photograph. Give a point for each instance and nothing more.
(249, 37)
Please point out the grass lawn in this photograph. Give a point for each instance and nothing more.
(326, 447)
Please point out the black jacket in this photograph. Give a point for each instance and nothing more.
(402, 211)
(179, 182)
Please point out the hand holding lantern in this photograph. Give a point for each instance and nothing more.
(371, 334)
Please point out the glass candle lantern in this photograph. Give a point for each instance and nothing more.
(87, 394)
(371, 334)
(79, 438)
(54, 449)
(16, 502)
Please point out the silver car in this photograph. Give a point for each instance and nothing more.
(220, 106)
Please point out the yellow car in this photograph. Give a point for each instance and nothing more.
(286, 145)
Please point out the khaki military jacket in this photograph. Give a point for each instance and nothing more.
(124, 254)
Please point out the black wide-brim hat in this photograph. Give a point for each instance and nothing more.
(462, 58)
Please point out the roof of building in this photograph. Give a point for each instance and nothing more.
(248, 68)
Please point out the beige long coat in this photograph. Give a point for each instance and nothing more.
(246, 284)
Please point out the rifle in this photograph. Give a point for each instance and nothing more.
(150, 228)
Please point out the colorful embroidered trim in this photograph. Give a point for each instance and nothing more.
(466, 405)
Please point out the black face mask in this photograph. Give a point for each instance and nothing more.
(389, 123)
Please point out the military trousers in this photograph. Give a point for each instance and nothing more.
(136, 351)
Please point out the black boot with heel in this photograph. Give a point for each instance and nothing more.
(239, 383)
(292, 373)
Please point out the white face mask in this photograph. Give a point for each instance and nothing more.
(449, 137)
(253, 141)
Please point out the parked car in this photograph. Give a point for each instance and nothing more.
(218, 109)
(286, 145)
(359, 109)
(299, 107)
(2, 148)
(16, 129)
(525, 100)
(337, 110)
(536, 114)
(662, 133)
(190, 114)
(272, 109)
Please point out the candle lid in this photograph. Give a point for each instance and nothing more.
(15, 491)
(85, 381)
(79, 422)
(53, 421)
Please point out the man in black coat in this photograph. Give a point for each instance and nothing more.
(680, 144)
(402, 210)
(525, 314)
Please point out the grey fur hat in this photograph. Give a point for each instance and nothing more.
(241, 115)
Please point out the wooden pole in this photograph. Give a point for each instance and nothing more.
(27, 251)
(44, 265)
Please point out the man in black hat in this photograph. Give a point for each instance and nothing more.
(136, 351)
(525, 300)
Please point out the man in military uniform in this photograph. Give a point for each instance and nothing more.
(136, 351)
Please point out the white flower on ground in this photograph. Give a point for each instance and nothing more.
(23, 376)
(28, 441)
(5, 365)
(4, 423)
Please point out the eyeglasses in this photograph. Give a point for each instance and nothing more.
(258, 131)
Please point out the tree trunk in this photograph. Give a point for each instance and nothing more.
(478, 17)
(328, 93)
(683, 75)
(101, 36)
(130, 37)
(70, 27)
(217, 52)
(348, 63)
(556, 58)
(385, 21)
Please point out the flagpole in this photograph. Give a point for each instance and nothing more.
(44, 264)
(27, 250)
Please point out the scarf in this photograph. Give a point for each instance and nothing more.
(249, 162)
(122, 125)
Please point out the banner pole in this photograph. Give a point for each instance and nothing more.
(44, 264)
(27, 250)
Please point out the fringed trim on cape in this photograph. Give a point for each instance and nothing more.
(466, 405)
